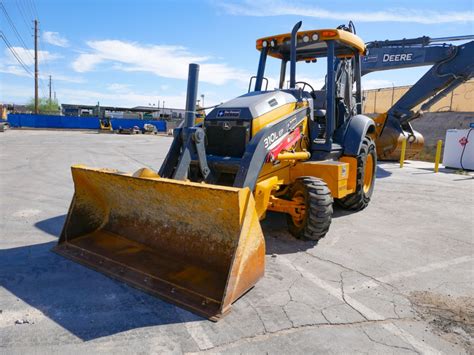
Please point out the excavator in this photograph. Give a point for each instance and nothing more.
(190, 232)
(451, 65)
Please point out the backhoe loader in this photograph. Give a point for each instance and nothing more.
(190, 233)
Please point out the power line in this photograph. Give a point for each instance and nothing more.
(41, 54)
(24, 17)
(33, 6)
(15, 30)
(15, 54)
(27, 8)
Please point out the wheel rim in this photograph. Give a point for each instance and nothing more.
(368, 173)
(300, 199)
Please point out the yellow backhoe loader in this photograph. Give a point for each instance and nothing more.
(190, 233)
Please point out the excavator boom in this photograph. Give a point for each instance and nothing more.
(451, 64)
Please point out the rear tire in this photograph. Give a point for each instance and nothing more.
(366, 171)
(318, 208)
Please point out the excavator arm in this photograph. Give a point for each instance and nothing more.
(451, 65)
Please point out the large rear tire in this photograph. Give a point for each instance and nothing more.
(317, 213)
(366, 171)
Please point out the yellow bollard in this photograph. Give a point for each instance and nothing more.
(438, 155)
(402, 154)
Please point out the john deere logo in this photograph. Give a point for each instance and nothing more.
(228, 113)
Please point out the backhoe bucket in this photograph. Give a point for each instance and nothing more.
(199, 246)
(389, 144)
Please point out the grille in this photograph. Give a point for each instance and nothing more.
(227, 138)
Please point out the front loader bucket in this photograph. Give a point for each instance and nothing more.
(197, 245)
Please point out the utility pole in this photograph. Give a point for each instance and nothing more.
(50, 89)
(36, 67)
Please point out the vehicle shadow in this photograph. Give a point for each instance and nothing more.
(52, 226)
(87, 303)
(277, 238)
(451, 171)
(382, 173)
(91, 305)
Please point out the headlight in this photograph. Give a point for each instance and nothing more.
(305, 38)
(315, 37)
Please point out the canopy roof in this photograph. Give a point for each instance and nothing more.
(312, 44)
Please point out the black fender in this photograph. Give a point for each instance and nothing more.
(357, 128)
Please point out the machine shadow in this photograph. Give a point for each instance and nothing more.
(91, 305)
(52, 226)
(382, 173)
(82, 301)
(277, 238)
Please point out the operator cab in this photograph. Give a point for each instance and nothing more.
(341, 96)
(234, 129)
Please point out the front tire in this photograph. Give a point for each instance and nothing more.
(316, 215)
(366, 171)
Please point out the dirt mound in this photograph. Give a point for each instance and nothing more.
(451, 317)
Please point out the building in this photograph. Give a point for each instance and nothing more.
(142, 112)
(164, 112)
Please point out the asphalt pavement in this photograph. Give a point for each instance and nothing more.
(394, 278)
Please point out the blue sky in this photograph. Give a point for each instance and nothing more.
(128, 53)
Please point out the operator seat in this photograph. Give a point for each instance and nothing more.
(319, 99)
(319, 106)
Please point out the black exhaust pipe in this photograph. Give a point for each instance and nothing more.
(191, 95)
(294, 31)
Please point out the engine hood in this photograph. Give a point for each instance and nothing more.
(251, 105)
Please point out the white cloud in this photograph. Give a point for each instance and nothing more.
(282, 8)
(27, 56)
(65, 78)
(161, 60)
(115, 87)
(14, 70)
(124, 98)
(55, 39)
(128, 98)
(10, 65)
(86, 62)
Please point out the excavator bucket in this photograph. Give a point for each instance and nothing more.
(389, 144)
(199, 246)
(389, 139)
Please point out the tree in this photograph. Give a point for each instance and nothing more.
(45, 106)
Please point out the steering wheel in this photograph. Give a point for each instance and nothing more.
(304, 85)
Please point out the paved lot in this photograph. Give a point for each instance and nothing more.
(394, 278)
